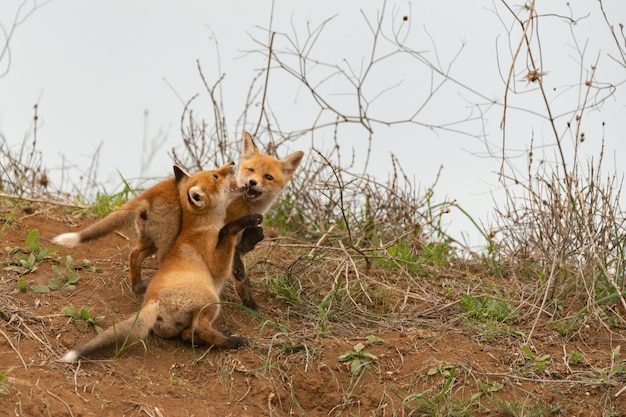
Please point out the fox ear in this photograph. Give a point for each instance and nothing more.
(180, 174)
(196, 196)
(249, 148)
(289, 164)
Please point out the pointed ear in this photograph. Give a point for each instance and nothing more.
(196, 196)
(289, 164)
(180, 174)
(249, 148)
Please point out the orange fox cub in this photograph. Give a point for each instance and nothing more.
(157, 214)
(262, 178)
(183, 296)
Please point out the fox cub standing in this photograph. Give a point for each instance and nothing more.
(183, 296)
(157, 214)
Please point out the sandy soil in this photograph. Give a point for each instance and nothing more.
(292, 366)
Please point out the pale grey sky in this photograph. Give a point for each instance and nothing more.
(95, 67)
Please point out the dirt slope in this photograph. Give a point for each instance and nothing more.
(292, 367)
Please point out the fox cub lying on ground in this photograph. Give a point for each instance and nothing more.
(183, 296)
(157, 215)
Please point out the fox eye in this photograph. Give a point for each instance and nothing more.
(250, 169)
(268, 177)
(215, 177)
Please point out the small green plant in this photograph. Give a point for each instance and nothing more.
(358, 358)
(445, 369)
(525, 408)
(283, 287)
(106, 203)
(327, 309)
(22, 284)
(416, 259)
(375, 340)
(446, 401)
(4, 386)
(487, 308)
(575, 358)
(32, 254)
(82, 319)
(68, 278)
(489, 388)
(541, 362)
(175, 382)
(616, 368)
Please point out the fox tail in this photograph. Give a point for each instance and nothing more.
(122, 334)
(121, 217)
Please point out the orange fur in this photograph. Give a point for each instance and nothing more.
(157, 212)
(183, 297)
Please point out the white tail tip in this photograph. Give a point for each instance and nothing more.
(67, 239)
(70, 357)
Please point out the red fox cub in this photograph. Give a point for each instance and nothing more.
(157, 213)
(183, 296)
(263, 178)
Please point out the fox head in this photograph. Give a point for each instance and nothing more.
(206, 189)
(261, 175)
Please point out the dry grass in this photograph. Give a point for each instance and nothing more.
(354, 252)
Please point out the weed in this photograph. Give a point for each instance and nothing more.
(327, 308)
(282, 287)
(417, 260)
(358, 358)
(32, 255)
(69, 277)
(565, 329)
(375, 340)
(487, 308)
(575, 358)
(105, 203)
(489, 314)
(489, 388)
(286, 215)
(444, 402)
(225, 367)
(175, 382)
(525, 409)
(83, 319)
(615, 369)
(4, 386)
(540, 362)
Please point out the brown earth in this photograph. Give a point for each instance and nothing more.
(292, 366)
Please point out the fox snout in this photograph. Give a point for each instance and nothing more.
(251, 193)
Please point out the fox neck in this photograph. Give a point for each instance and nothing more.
(240, 207)
(207, 221)
(261, 205)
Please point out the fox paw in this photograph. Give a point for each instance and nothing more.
(140, 287)
(234, 341)
(249, 238)
(252, 220)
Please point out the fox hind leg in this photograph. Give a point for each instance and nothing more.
(202, 331)
(250, 237)
(143, 249)
(244, 291)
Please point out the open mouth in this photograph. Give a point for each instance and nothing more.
(237, 189)
(251, 194)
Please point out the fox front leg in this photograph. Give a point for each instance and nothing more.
(249, 238)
